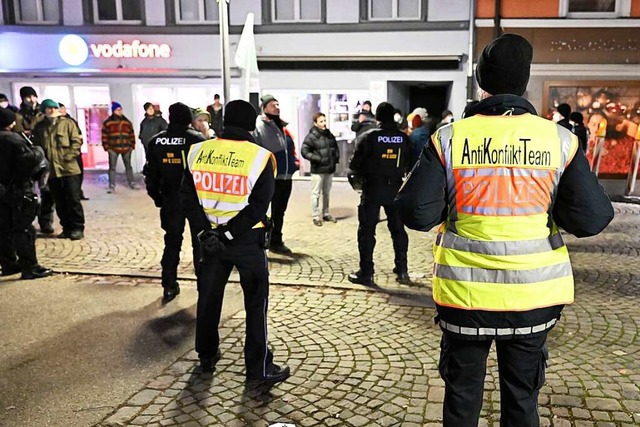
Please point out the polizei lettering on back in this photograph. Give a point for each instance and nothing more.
(223, 159)
(520, 155)
(391, 139)
(171, 141)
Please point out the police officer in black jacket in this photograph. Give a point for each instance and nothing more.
(163, 174)
(20, 161)
(382, 159)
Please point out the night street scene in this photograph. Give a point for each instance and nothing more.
(294, 213)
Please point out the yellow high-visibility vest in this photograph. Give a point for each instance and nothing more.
(496, 250)
(224, 173)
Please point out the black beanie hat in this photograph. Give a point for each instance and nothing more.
(240, 114)
(385, 112)
(565, 110)
(504, 65)
(180, 114)
(576, 117)
(7, 117)
(27, 91)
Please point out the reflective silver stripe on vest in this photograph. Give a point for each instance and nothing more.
(492, 332)
(471, 274)
(565, 143)
(445, 135)
(451, 240)
(481, 210)
(538, 173)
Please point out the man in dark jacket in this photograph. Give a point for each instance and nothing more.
(215, 111)
(271, 133)
(579, 129)
(321, 149)
(565, 111)
(162, 175)
(366, 121)
(501, 188)
(382, 159)
(29, 113)
(152, 124)
(20, 160)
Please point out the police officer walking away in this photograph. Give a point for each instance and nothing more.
(381, 159)
(163, 171)
(502, 180)
(19, 162)
(226, 191)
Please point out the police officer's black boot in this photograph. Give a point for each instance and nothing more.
(170, 292)
(402, 276)
(208, 364)
(361, 278)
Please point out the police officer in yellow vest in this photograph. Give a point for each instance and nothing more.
(226, 192)
(501, 181)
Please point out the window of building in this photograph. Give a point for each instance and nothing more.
(37, 11)
(385, 10)
(117, 11)
(196, 11)
(296, 10)
(594, 8)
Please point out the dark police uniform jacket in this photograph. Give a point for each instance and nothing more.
(166, 160)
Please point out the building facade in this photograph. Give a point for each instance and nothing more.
(330, 55)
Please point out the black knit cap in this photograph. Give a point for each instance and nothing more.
(3, 97)
(240, 114)
(564, 110)
(385, 112)
(576, 117)
(27, 91)
(504, 65)
(180, 114)
(6, 117)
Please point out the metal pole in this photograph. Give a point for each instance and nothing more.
(223, 8)
(472, 27)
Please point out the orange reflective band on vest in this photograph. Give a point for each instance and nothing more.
(496, 251)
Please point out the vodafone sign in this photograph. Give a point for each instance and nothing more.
(74, 50)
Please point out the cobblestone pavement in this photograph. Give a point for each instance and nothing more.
(369, 358)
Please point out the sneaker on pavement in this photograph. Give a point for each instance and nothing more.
(274, 374)
(317, 222)
(360, 278)
(329, 218)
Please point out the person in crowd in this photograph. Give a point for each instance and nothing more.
(271, 133)
(201, 120)
(565, 111)
(382, 159)
(579, 129)
(321, 149)
(61, 141)
(162, 176)
(64, 113)
(231, 225)
(215, 114)
(29, 113)
(401, 121)
(152, 124)
(20, 161)
(5, 103)
(447, 117)
(366, 121)
(502, 271)
(118, 139)
(419, 137)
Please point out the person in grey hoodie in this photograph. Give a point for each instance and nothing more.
(272, 134)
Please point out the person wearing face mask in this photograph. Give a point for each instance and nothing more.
(29, 113)
(61, 141)
(271, 133)
(201, 120)
(4, 103)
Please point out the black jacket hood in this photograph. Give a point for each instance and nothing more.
(498, 105)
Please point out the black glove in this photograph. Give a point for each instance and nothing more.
(211, 241)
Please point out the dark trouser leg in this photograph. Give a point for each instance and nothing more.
(113, 160)
(521, 364)
(212, 278)
(368, 216)
(251, 263)
(172, 222)
(81, 165)
(45, 218)
(8, 258)
(278, 207)
(463, 365)
(126, 159)
(24, 234)
(399, 237)
(56, 187)
(66, 195)
(195, 247)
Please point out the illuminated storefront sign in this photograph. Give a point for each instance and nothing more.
(74, 50)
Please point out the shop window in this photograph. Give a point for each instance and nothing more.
(385, 10)
(594, 8)
(117, 11)
(196, 11)
(37, 11)
(296, 10)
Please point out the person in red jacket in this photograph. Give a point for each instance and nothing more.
(118, 139)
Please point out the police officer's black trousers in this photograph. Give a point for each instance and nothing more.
(279, 204)
(213, 274)
(17, 238)
(172, 222)
(368, 218)
(66, 195)
(521, 366)
(45, 217)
